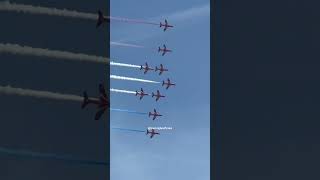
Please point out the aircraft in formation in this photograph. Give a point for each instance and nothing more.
(164, 50)
(168, 83)
(146, 68)
(155, 114)
(152, 132)
(102, 103)
(165, 25)
(158, 95)
(141, 93)
(161, 69)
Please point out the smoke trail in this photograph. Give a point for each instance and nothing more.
(128, 111)
(50, 95)
(7, 6)
(39, 94)
(133, 20)
(29, 154)
(122, 91)
(125, 44)
(26, 50)
(124, 65)
(123, 129)
(131, 79)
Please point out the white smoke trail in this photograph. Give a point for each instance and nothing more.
(122, 91)
(124, 65)
(125, 44)
(131, 79)
(7, 6)
(26, 50)
(133, 20)
(8, 90)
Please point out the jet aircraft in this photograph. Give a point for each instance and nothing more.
(168, 83)
(102, 103)
(165, 25)
(155, 114)
(164, 50)
(161, 69)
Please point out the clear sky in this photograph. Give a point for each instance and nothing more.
(182, 153)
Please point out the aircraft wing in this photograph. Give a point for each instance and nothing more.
(151, 135)
(160, 72)
(102, 91)
(154, 117)
(99, 113)
(98, 23)
(141, 97)
(164, 52)
(145, 70)
(168, 86)
(157, 98)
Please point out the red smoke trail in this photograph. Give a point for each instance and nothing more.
(132, 20)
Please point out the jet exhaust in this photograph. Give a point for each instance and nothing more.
(137, 21)
(125, 45)
(30, 154)
(8, 90)
(8, 6)
(64, 55)
(122, 91)
(128, 111)
(124, 65)
(132, 130)
(132, 79)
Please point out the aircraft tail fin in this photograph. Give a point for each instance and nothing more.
(100, 19)
(162, 83)
(159, 49)
(161, 24)
(157, 68)
(152, 94)
(149, 114)
(85, 100)
(137, 93)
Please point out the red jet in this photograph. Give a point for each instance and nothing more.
(158, 95)
(152, 132)
(102, 103)
(161, 69)
(101, 19)
(155, 114)
(168, 83)
(141, 94)
(146, 68)
(165, 25)
(164, 50)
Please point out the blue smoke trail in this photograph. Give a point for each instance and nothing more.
(128, 111)
(29, 154)
(123, 129)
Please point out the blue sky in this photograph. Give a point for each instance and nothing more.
(182, 153)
